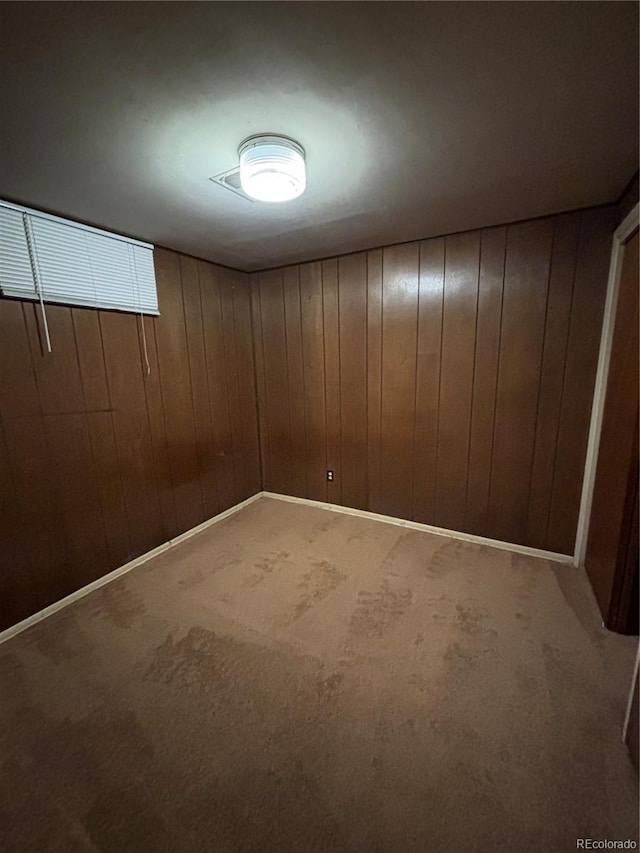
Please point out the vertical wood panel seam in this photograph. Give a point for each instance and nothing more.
(164, 414)
(146, 405)
(235, 455)
(473, 379)
(206, 367)
(540, 368)
(304, 386)
(226, 383)
(415, 387)
(540, 359)
(235, 294)
(324, 377)
(367, 490)
(104, 362)
(193, 410)
(497, 385)
(237, 363)
(286, 354)
(60, 520)
(304, 383)
(164, 419)
(250, 281)
(381, 375)
(114, 433)
(266, 407)
(338, 395)
(436, 466)
(564, 374)
(209, 370)
(89, 438)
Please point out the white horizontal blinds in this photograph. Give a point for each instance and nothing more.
(36, 275)
(145, 274)
(62, 261)
(85, 267)
(63, 268)
(16, 274)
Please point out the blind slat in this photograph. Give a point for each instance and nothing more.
(74, 265)
(16, 276)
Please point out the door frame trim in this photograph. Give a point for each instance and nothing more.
(621, 235)
(634, 678)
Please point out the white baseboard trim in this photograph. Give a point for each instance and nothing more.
(19, 627)
(428, 528)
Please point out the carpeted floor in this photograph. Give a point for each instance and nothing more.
(294, 679)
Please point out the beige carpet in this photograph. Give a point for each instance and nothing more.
(298, 680)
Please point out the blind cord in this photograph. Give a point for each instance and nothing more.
(144, 337)
(144, 344)
(36, 276)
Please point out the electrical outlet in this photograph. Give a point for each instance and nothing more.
(330, 475)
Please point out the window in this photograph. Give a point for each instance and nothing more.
(50, 259)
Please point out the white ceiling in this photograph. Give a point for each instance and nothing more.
(417, 118)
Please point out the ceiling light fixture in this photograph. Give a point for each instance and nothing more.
(272, 168)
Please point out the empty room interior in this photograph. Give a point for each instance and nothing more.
(318, 427)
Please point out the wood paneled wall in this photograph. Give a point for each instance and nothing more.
(100, 461)
(448, 381)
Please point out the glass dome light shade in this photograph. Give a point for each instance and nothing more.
(272, 168)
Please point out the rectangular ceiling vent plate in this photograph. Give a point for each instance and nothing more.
(230, 180)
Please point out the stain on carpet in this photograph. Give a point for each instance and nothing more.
(330, 686)
(371, 726)
(378, 611)
(459, 660)
(437, 607)
(119, 604)
(528, 573)
(316, 584)
(215, 562)
(324, 525)
(446, 558)
(59, 639)
(471, 620)
(264, 566)
(200, 661)
(408, 554)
